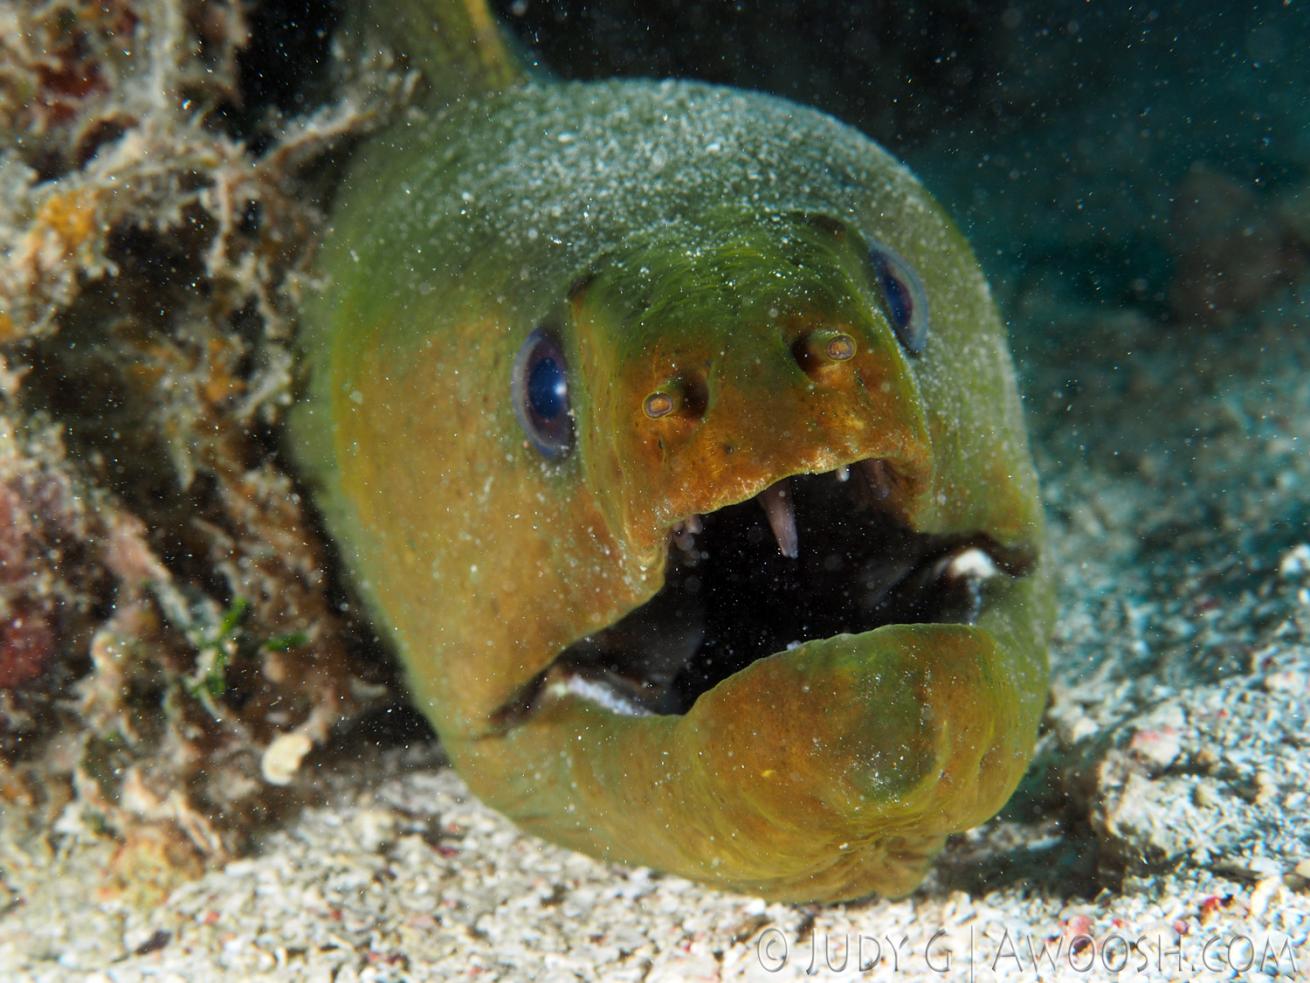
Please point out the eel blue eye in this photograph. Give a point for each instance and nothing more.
(903, 296)
(539, 387)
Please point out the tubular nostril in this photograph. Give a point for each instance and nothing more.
(684, 396)
(839, 347)
(660, 404)
(823, 348)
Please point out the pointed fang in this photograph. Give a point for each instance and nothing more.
(782, 518)
(878, 477)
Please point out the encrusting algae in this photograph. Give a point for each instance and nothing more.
(166, 626)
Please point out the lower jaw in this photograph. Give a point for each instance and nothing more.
(830, 771)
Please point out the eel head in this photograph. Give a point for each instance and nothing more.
(728, 564)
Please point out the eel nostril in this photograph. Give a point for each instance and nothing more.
(660, 404)
(823, 348)
(839, 347)
(684, 396)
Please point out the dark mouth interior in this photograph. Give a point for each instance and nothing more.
(731, 597)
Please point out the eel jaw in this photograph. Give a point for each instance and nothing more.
(809, 557)
(692, 737)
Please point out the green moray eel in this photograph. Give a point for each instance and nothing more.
(670, 433)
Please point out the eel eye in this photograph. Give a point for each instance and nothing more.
(903, 296)
(539, 387)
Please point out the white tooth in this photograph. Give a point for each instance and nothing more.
(782, 518)
(843, 473)
(879, 478)
(684, 533)
(973, 563)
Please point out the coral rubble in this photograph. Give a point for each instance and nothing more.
(167, 631)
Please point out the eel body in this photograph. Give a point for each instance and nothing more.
(671, 435)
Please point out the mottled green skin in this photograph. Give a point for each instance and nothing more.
(665, 231)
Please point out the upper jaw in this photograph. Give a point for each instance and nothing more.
(894, 478)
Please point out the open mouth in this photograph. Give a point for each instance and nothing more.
(812, 556)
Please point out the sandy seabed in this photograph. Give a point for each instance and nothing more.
(1155, 284)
